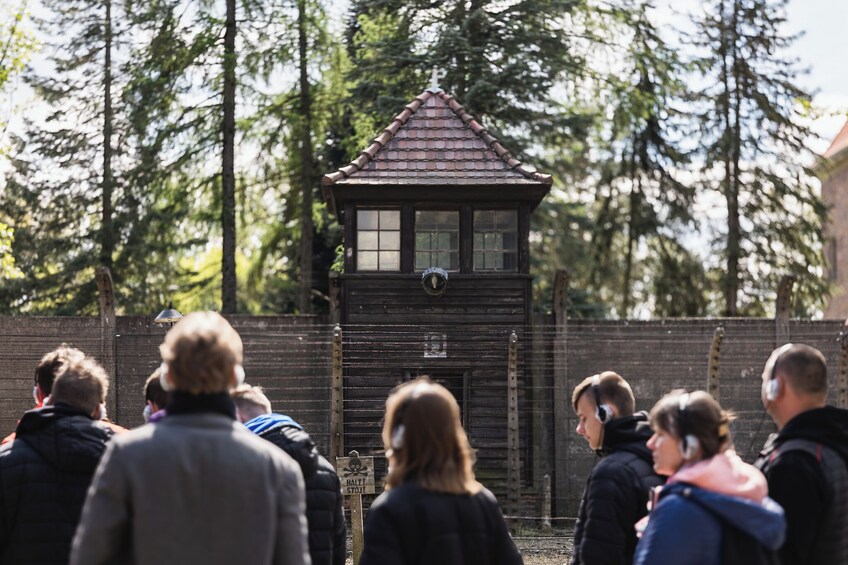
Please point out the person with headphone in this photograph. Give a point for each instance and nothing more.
(433, 510)
(714, 508)
(806, 461)
(618, 487)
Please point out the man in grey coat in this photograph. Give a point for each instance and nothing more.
(197, 487)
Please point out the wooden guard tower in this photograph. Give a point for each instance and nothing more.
(436, 270)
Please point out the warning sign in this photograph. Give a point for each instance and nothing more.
(356, 474)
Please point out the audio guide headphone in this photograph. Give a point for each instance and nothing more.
(689, 444)
(603, 412)
(773, 385)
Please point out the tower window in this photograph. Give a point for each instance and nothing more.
(378, 240)
(436, 239)
(495, 240)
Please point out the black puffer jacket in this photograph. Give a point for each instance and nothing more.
(806, 465)
(44, 477)
(409, 525)
(324, 503)
(616, 494)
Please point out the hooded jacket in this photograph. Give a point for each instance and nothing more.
(805, 464)
(698, 507)
(616, 494)
(44, 475)
(411, 525)
(324, 502)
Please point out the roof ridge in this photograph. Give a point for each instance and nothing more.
(378, 143)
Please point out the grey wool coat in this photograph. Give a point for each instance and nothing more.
(193, 488)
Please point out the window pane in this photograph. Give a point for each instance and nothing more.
(506, 220)
(389, 261)
(389, 240)
(444, 241)
(366, 219)
(495, 240)
(366, 240)
(389, 219)
(437, 230)
(510, 242)
(366, 260)
(478, 241)
(483, 220)
(422, 260)
(425, 220)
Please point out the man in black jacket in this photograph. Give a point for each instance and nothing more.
(619, 485)
(324, 503)
(806, 461)
(45, 472)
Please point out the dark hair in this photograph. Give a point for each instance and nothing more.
(704, 419)
(804, 368)
(81, 384)
(612, 389)
(51, 365)
(154, 392)
(424, 439)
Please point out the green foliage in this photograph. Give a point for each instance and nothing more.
(640, 208)
(753, 130)
(591, 92)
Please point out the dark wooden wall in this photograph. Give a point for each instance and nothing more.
(387, 322)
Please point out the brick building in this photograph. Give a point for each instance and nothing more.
(834, 177)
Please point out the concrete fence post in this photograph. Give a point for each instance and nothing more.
(713, 373)
(513, 472)
(103, 277)
(337, 398)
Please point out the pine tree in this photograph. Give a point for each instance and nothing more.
(641, 208)
(753, 130)
(502, 60)
(59, 197)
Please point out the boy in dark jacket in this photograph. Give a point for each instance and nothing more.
(618, 487)
(324, 503)
(806, 461)
(45, 472)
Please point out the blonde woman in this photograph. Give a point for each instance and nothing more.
(433, 511)
(714, 508)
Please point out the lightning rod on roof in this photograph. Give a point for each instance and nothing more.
(435, 77)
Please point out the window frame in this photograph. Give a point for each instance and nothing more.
(459, 237)
(356, 234)
(516, 252)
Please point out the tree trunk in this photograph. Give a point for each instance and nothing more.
(632, 226)
(228, 179)
(731, 278)
(306, 167)
(734, 230)
(107, 240)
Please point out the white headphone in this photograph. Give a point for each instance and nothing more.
(603, 412)
(689, 444)
(773, 384)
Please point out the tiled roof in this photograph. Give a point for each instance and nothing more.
(435, 141)
(839, 143)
